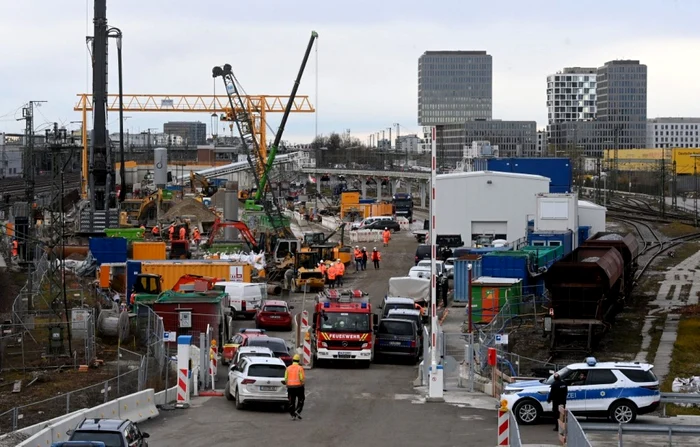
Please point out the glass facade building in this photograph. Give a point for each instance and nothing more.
(454, 87)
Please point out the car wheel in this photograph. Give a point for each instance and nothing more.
(227, 391)
(623, 412)
(239, 404)
(527, 412)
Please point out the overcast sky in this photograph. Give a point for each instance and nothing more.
(367, 53)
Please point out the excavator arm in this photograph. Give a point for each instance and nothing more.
(240, 226)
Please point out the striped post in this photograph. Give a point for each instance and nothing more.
(503, 428)
(304, 320)
(212, 365)
(307, 350)
(183, 369)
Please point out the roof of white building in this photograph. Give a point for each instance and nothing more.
(475, 174)
(589, 205)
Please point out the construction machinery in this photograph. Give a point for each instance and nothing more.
(148, 286)
(307, 274)
(319, 243)
(208, 189)
(261, 163)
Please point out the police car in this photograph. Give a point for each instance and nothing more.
(619, 391)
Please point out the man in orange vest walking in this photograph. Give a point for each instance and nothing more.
(197, 237)
(376, 257)
(358, 258)
(339, 272)
(386, 236)
(332, 273)
(295, 380)
(323, 269)
(15, 248)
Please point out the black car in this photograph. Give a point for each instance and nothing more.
(276, 345)
(392, 225)
(397, 338)
(423, 251)
(112, 432)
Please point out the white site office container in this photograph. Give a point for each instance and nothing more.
(556, 212)
(591, 215)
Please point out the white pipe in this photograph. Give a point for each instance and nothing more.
(435, 386)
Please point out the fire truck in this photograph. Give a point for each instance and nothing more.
(343, 327)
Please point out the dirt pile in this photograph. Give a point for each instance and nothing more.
(190, 207)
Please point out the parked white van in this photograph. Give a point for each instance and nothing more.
(245, 298)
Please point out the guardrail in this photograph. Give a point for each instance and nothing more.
(136, 407)
(621, 429)
(679, 398)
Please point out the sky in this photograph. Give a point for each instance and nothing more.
(362, 75)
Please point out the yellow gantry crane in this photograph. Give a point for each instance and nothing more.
(257, 107)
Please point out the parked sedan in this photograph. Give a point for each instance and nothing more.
(257, 379)
(274, 314)
(112, 432)
(392, 225)
(276, 345)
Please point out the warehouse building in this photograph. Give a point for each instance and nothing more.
(484, 203)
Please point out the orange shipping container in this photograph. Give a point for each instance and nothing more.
(171, 271)
(105, 275)
(144, 251)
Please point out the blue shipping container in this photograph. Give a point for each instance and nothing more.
(551, 239)
(133, 268)
(108, 250)
(462, 280)
(558, 170)
(503, 266)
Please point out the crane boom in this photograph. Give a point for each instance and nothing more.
(290, 103)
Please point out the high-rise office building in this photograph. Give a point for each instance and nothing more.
(454, 87)
(571, 95)
(192, 132)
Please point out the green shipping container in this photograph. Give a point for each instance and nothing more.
(130, 234)
(490, 295)
(545, 255)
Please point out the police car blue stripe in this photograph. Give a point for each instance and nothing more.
(597, 393)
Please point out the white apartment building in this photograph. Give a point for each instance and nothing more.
(408, 143)
(673, 132)
(571, 95)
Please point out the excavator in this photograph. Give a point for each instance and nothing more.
(261, 165)
(208, 189)
(317, 242)
(307, 274)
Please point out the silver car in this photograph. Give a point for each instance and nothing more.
(257, 379)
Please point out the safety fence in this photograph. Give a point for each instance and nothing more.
(570, 432)
(513, 431)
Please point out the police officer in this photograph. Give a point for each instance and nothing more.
(557, 396)
(295, 380)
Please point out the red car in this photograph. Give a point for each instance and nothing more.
(238, 340)
(274, 314)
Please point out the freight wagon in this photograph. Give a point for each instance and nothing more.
(628, 246)
(585, 287)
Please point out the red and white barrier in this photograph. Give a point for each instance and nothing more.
(404, 224)
(306, 360)
(183, 372)
(213, 364)
(503, 427)
(304, 320)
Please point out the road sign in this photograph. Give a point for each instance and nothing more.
(501, 339)
(170, 336)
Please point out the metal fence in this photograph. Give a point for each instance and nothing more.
(573, 433)
(513, 431)
(26, 415)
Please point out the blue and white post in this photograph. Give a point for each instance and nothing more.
(435, 384)
(183, 370)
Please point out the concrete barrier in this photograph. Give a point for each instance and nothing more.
(329, 222)
(166, 396)
(136, 407)
(366, 236)
(404, 224)
(36, 428)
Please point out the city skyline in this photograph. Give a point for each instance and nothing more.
(353, 93)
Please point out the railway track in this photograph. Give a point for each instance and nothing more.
(15, 187)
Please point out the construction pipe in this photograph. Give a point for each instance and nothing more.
(274, 289)
(113, 324)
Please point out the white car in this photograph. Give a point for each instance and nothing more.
(439, 266)
(419, 272)
(450, 267)
(250, 351)
(257, 379)
(620, 391)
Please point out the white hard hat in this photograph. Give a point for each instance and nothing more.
(321, 261)
(375, 248)
(386, 228)
(364, 248)
(338, 260)
(357, 246)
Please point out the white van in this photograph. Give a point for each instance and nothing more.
(369, 220)
(245, 298)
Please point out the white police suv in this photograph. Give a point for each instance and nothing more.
(620, 391)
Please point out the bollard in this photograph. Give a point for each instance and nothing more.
(183, 362)
(307, 351)
(503, 424)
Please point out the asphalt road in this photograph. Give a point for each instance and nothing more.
(345, 405)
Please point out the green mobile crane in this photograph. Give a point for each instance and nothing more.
(255, 157)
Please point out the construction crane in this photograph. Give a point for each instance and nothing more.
(256, 157)
(257, 106)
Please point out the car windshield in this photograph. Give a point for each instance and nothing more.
(274, 309)
(276, 371)
(345, 322)
(415, 318)
(278, 347)
(403, 202)
(563, 373)
(396, 328)
(390, 307)
(110, 439)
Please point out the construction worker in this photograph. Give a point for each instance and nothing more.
(358, 259)
(339, 272)
(295, 380)
(376, 257)
(386, 236)
(183, 233)
(332, 272)
(197, 237)
(364, 258)
(155, 231)
(323, 269)
(15, 247)
(171, 232)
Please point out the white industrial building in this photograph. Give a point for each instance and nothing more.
(485, 203)
(591, 215)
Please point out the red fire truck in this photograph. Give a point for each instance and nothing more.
(343, 326)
